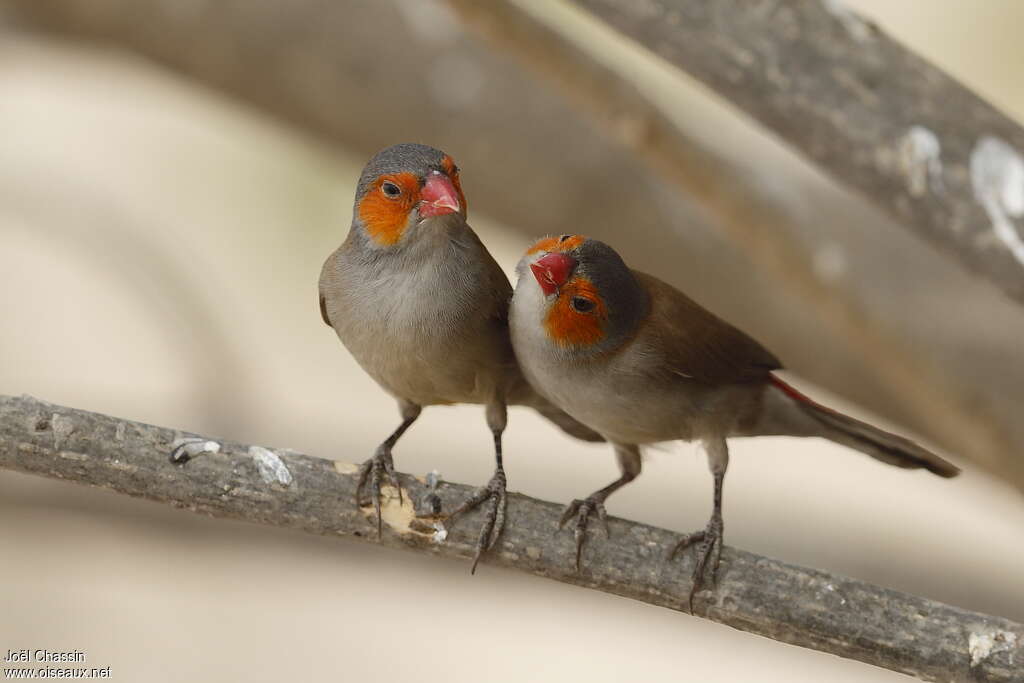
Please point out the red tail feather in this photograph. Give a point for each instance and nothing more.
(796, 395)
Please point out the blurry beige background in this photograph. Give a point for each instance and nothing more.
(159, 250)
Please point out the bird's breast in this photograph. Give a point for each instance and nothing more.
(416, 329)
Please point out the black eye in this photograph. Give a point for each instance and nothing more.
(582, 305)
(390, 189)
(563, 238)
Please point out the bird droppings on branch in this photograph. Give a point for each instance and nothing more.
(857, 26)
(272, 468)
(920, 157)
(997, 176)
(186, 448)
(985, 644)
(756, 594)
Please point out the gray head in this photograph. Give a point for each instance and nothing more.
(403, 186)
(591, 301)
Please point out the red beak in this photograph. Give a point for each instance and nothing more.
(553, 271)
(439, 196)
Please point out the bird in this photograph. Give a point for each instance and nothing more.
(641, 363)
(422, 306)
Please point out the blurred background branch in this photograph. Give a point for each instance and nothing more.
(804, 607)
(858, 104)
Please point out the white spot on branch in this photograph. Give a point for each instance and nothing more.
(997, 176)
(981, 646)
(272, 468)
(188, 447)
(859, 29)
(342, 467)
(919, 158)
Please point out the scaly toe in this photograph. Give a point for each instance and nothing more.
(709, 555)
(582, 510)
(372, 473)
(685, 543)
(494, 523)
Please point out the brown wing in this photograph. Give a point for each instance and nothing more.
(696, 343)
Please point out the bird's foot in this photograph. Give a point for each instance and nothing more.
(709, 555)
(583, 510)
(494, 494)
(378, 469)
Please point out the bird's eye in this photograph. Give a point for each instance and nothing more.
(582, 305)
(390, 189)
(563, 238)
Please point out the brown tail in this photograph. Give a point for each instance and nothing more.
(879, 444)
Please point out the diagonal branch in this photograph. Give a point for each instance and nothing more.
(864, 108)
(791, 604)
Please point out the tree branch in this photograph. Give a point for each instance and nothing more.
(864, 108)
(791, 604)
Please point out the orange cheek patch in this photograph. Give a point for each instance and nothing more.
(550, 244)
(385, 218)
(568, 327)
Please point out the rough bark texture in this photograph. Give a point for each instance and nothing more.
(858, 104)
(800, 606)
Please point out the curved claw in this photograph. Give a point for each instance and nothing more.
(570, 512)
(375, 487)
(372, 472)
(582, 509)
(710, 549)
(494, 522)
(492, 528)
(602, 515)
(389, 471)
(685, 543)
(364, 474)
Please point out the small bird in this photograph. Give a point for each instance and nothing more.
(422, 306)
(640, 362)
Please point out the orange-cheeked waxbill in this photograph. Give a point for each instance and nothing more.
(639, 362)
(422, 306)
